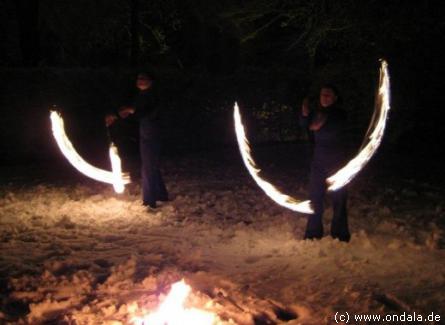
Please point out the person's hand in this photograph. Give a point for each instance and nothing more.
(125, 111)
(110, 119)
(318, 121)
(305, 107)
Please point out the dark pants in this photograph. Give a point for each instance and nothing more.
(153, 187)
(322, 167)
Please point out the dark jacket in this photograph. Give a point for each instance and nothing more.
(329, 140)
(146, 105)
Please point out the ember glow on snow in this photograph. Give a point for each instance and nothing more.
(172, 311)
(373, 137)
(116, 177)
(271, 191)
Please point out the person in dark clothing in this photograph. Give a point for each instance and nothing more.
(327, 124)
(145, 108)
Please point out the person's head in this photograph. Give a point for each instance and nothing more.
(144, 81)
(328, 95)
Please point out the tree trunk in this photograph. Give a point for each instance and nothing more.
(29, 36)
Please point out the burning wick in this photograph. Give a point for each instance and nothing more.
(116, 177)
(373, 137)
(172, 311)
(270, 190)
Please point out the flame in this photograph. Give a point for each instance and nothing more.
(271, 191)
(116, 169)
(172, 311)
(373, 137)
(116, 177)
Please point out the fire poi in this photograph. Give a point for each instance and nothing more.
(115, 177)
(372, 141)
(373, 136)
(271, 191)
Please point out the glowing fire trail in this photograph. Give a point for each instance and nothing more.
(116, 169)
(271, 191)
(116, 177)
(373, 137)
(172, 311)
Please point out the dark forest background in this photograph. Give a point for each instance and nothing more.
(83, 56)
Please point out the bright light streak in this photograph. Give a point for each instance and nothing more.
(116, 177)
(172, 311)
(116, 168)
(373, 137)
(271, 191)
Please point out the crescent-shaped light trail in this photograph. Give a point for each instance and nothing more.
(115, 177)
(373, 138)
(271, 191)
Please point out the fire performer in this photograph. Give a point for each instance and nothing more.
(144, 108)
(327, 124)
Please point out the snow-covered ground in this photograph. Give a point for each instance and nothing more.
(79, 254)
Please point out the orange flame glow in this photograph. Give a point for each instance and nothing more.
(172, 311)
